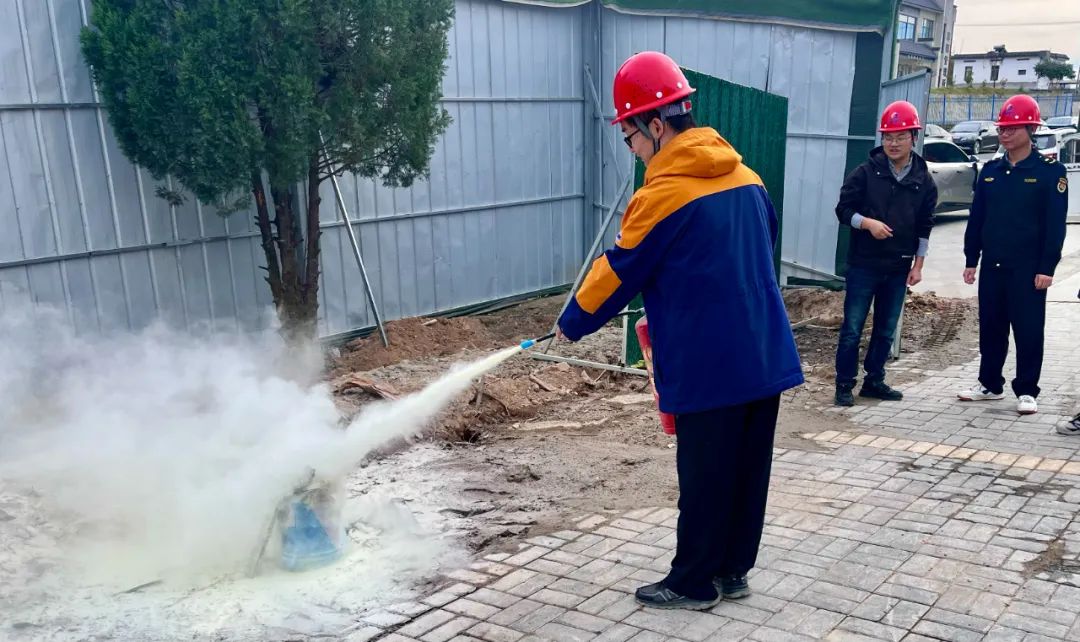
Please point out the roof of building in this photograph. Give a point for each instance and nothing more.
(1012, 54)
(932, 5)
(917, 50)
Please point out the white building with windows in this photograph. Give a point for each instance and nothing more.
(1002, 68)
(924, 33)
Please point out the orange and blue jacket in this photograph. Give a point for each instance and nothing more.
(697, 241)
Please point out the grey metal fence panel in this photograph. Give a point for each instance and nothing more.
(949, 109)
(914, 88)
(501, 213)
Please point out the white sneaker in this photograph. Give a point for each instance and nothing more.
(1070, 427)
(1026, 405)
(979, 393)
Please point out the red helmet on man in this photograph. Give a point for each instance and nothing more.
(900, 116)
(647, 81)
(1018, 111)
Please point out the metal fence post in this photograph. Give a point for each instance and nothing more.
(993, 105)
(970, 98)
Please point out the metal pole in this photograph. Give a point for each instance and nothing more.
(589, 257)
(355, 246)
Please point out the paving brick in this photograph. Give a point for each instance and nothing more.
(733, 631)
(411, 609)
(513, 579)
(584, 621)
(575, 587)
(567, 535)
(496, 569)
(1032, 625)
(946, 632)
(820, 623)
(449, 630)
(473, 609)
(617, 633)
(875, 607)
(563, 633)
(618, 611)
(969, 622)
(1003, 634)
(631, 525)
(557, 598)
(674, 621)
(602, 572)
(768, 634)
(790, 617)
(648, 636)
(599, 548)
(616, 533)
(534, 620)
(872, 629)
(494, 633)
(905, 614)
(494, 598)
(425, 623)
(527, 555)
(550, 567)
(735, 611)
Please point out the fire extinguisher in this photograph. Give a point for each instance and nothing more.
(667, 421)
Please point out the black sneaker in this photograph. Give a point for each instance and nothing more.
(844, 398)
(880, 390)
(658, 596)
(732, 587)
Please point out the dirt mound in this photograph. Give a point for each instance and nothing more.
(415, 338)
(826, 308)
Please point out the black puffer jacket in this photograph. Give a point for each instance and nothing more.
(906, 206)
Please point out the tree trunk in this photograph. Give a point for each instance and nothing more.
(293, 282)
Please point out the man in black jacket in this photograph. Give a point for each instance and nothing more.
(1017, 228)
(889, 202)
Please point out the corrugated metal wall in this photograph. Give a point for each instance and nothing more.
(914, 88)
(502, 213)
(812, 68)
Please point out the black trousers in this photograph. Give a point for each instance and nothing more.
(1008, 299)
(724, 460)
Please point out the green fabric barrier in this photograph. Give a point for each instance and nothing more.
(847, 15)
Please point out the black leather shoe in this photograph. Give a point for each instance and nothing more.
(844, 398)
(658, 596)
(880, 390)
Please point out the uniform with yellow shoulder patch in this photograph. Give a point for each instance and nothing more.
(697, 241)
(1018, 214)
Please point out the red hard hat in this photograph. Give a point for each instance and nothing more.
(646, 81)
(1019, 111)
(900, 116)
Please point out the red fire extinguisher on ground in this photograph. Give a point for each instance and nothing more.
(667, 421)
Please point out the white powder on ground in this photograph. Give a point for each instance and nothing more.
(160, 456)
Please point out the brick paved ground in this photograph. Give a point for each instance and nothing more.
(920, 520)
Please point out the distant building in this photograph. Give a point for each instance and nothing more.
(1002, 68)
(924, 32)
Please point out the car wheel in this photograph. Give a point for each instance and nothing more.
(978, 148)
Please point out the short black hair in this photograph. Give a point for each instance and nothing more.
(679, 123)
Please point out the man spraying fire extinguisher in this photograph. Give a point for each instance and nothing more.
(697, 241)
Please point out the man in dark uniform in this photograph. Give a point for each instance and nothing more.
(1017, 226)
